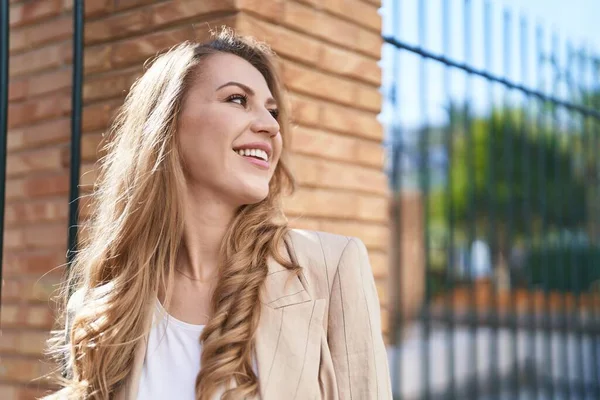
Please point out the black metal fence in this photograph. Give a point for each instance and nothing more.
(76, 111)
(497, 136)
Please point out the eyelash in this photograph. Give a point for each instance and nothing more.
(244, 98)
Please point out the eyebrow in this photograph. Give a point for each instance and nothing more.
(246, 88)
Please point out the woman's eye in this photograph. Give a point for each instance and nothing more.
(239, 99)
(275, 114)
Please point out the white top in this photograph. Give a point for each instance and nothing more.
(172, 360)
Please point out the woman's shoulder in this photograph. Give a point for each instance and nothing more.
(320, 254)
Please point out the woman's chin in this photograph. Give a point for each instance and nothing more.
(254, 196)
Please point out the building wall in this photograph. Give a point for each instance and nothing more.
(329, 51)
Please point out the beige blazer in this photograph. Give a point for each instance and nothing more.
(319, 335)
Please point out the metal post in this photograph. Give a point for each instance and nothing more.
(76, 105)
(4, 50)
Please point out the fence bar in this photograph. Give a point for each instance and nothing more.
(477, 72)
(561, 329)
(526, 211)
(595, 314)
(547, 377)
(494, 374)
(508, 136)
(576, 248)
(76, 105)
(4, 52)
(424, 167)
(397, 312)
(473, 388)
(450, 284)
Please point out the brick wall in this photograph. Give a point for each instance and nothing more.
(330, 50)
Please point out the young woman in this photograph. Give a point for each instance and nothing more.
(190, 284)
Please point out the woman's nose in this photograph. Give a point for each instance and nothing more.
(265, 123)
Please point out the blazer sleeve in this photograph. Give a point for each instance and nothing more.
(354, 335)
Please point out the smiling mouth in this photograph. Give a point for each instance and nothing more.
(256, 154)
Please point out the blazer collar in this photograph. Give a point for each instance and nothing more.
(281, 287)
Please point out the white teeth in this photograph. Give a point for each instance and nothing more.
(254, 153)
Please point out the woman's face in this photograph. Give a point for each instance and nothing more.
(227, 128)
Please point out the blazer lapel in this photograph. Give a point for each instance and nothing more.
(288, 339)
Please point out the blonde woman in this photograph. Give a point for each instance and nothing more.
(190, 284)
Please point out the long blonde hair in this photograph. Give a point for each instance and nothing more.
(136, 229)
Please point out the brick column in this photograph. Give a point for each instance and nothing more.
(330, 50)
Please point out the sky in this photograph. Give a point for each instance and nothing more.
(575, 21)
(422, 89)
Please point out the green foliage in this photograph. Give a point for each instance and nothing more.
(508, 165)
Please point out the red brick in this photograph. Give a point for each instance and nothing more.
(322, 203)
(14, 238)
(21, 370)
(91, 146)
(337, 147)
(352, 122)
(117, 26)
(96, 59)
(356, 11)
(305, 223)
(20, 392)
(305, 110)
(9, 314)
(348, 176)
(41, 83)
(373, 208)
(337, 204)
(110, 85)
(47, 236)
(26, 343)
(375, 237)
(367, 98)
(51, 56)
(8, 392)
(32, 36)
(44, 210)
(24, 316)
(369, 153)
(321, 143)
(52, 105)
(17, 90)
(350, 64)
(137, 50)
(89, 174)
(284, 42)
(42, 289)
(332, 29)
(270, 10)
(47, 132)
(310, 82)
(34, 11)
(120, 5)
(32, 288)
(48, 184)
(97, 116)
(93, 8)
(28, 161)
(382, 291)
(179, 10)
